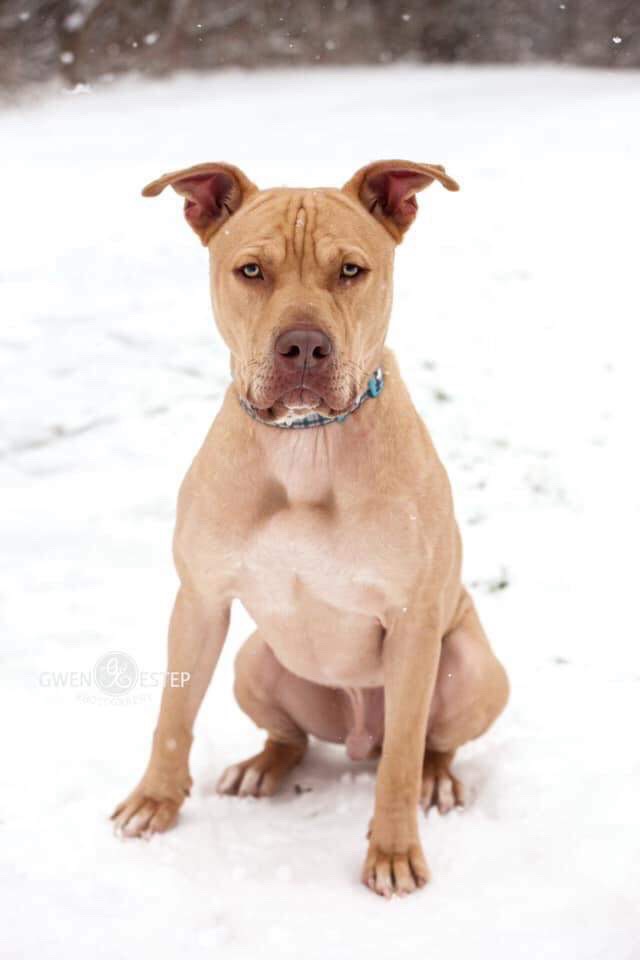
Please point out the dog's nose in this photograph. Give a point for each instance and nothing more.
(306, 347)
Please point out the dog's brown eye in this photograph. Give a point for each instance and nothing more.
(350, 270)
(252, 271)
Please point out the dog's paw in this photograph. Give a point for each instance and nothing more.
(439, 786)
(145, 812)
(260, 776)
(399, 873)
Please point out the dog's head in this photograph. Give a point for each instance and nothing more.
(301, 279)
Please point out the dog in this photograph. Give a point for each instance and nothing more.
(318, 501)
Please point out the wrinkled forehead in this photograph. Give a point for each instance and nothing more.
(301, 222)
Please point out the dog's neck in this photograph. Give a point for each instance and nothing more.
(308, 464)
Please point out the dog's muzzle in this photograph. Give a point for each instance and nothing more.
(312, 419)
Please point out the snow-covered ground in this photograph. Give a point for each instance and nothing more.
(516, 326)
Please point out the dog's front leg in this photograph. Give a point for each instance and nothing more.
(196, 636)
(395, 862)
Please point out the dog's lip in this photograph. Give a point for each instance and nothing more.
(301, 398)
(299, 402)
(311, 389)
(287, 398)
(320, 404)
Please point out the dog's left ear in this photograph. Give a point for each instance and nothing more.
(388, 190)
(212, 192)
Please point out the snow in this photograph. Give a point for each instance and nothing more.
(514, 322)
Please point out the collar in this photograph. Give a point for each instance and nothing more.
(374, 387)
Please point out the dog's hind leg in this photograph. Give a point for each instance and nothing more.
(471, 691)
(288, 708)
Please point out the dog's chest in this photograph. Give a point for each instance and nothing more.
(329, 556)
(316, 595)
(304, 554)
(318, 584)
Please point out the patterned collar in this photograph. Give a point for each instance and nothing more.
(374, 387)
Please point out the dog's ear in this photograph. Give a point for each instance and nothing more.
(212, 192)
(388, 190)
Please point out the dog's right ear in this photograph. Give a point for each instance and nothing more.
(212, 191)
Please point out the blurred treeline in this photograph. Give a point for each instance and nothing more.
(82, 40)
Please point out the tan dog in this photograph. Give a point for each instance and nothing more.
(339, 538)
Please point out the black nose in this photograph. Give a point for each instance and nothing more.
(304, 348)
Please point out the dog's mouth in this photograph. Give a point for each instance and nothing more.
(302, 399)
(274, 399)
(296, 404)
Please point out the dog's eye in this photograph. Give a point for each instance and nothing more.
(252, 271)
(350, 270)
